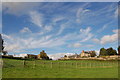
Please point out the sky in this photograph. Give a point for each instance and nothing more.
(59, 27)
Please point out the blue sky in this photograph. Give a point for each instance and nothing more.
(59, 27)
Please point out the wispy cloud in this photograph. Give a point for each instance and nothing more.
(36, 18)
(19, 8)
(25, 30)
(78, 45)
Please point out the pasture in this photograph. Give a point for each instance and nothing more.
(59, 69)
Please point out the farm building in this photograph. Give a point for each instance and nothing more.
(31, 56)
(85, 54)
(38, 56)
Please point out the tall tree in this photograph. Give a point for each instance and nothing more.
(93, 54)
(43, 55)
(103, 52)
(1, 46)
(111, 51)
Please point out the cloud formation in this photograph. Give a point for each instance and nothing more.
(108, 38)
(25, 30)
(19, 8)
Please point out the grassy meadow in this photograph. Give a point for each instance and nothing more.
(59, 69)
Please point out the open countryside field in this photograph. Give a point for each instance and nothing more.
(59, 69)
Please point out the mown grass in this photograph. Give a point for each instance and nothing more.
(59, 69)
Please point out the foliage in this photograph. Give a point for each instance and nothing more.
(4, 52)
(43, 55)
(103, 52)
(111, 51)
(106, 52)
(93, 54)
(65, 55)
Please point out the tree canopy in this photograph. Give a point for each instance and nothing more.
(103, 52)
(109, 51)
(43, 55)
(93, 54)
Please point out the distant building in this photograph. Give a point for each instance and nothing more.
(31, 56)
(38, 56)
(85, 54)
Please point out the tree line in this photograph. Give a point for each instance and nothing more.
(109, 51)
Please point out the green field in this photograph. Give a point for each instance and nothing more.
(59, 69)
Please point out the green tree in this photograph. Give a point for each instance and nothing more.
(43, 55)
(103, 52)
(1, 46)
(111, 51)
(93, 54)
(65, 55)
(4, 52)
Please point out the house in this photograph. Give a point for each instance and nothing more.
(85, 54)
(31, 56)
(38, 56)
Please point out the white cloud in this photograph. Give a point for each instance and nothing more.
(25, 29)
(86, 34)
(48, 28)
(96, 40)
(59, 55)
(62, 27)
(19, 8)
(58, 19)
(75, 45)
(103, 28)
(34, 40)
(80, 13)
(108, 38)
(78, 45)
(116, 13)
(13, 43)
(85, 31)
(36, 18)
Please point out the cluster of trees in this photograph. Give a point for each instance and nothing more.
(109, 51)
(1, 46)
(43, 55)
(93, 54)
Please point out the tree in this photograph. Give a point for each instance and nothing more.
(103, 52)
(43, 55)
(4, 52)
(111, 51)
(65, 55)
(1, 46)
(118, 50)
(93, 54)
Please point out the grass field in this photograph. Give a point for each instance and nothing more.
(59, 69)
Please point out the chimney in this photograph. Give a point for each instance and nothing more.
(83, 51)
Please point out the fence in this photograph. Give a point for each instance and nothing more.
(59, 64)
